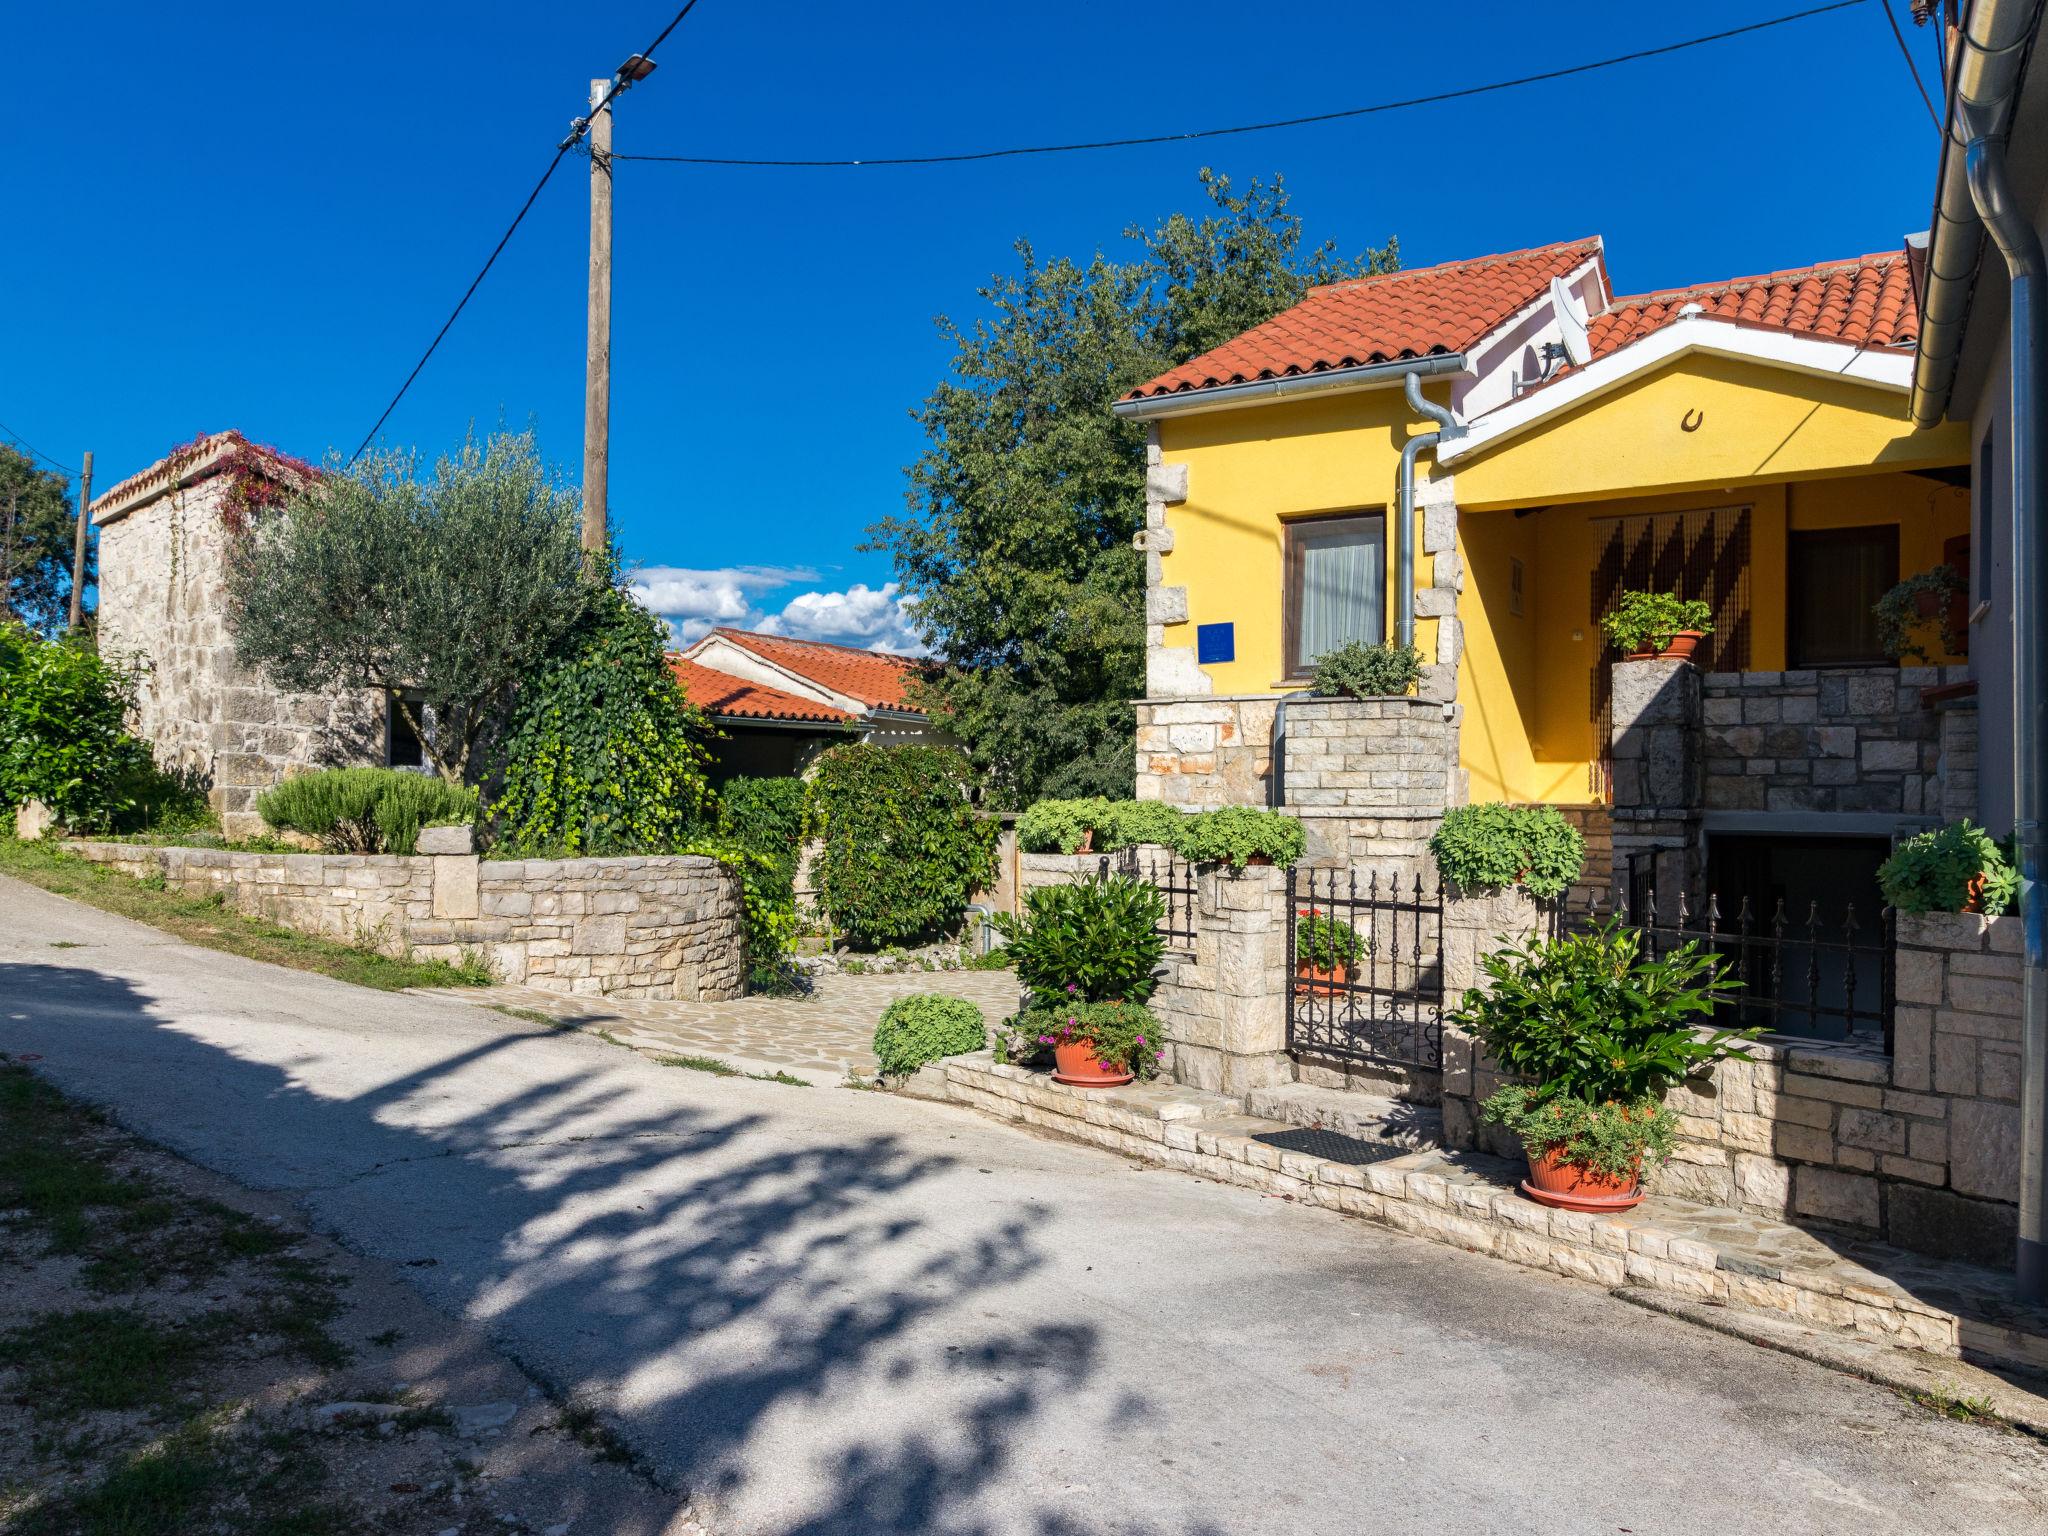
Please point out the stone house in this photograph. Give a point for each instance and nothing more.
(163, 544)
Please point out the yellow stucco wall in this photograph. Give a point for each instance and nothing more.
(1252, 470)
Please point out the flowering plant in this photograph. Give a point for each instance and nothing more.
(1326, 943)
(1124, 1036)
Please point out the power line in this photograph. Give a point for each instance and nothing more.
(576, 133)
(34, 452)
(1285, 122)
(1906, 53)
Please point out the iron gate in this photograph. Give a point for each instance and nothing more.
(1170, 875)
(1365, 967)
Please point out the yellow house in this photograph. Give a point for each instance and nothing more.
(1745, 442)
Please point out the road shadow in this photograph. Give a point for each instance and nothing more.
(770, 1326)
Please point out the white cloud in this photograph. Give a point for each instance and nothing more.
(694, 602)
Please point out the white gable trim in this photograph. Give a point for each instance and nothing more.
(1709, 334)
(735, 660)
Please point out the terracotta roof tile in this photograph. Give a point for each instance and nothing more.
(719, 693)
(878, 679)
(1866, 301)
(1441, 309)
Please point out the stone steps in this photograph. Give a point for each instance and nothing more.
(1393, 1122)
(1468, 1200)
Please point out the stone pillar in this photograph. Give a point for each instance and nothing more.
(1655, 744)
(1369, 778)
(1224, 1006)
(1475, 925)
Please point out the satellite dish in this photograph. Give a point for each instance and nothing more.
(1571, 322)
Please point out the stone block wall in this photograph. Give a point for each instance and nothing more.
(1850, 740)
(1369, 778)
(1916, 1148)
(670, 927)
(1201, 754)
(1223, 1004)
(162, 610)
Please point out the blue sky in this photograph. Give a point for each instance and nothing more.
(255, 216)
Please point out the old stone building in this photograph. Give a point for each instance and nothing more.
(165, 536)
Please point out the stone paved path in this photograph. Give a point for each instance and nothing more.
(827, 1037)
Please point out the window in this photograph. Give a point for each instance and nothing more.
(1835, 576)
(402, 748)
(1986, 495)
(1336, 586)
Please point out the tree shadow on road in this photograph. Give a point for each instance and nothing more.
(782, 1333)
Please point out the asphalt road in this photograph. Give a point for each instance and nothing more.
(822, 1310)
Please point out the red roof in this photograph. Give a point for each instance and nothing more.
(1442, 309)
(719, 693)
(1866, 301)
(878, 679)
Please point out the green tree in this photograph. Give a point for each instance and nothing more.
(36, 544)
(603, 753)
(1016, 548)
(453, 585)
(61, 737)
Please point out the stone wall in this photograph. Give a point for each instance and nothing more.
(1850, 740)
(1223, 1003)
(162, 609)
(1369, 778)
(1204, 753)
(1915, 1148)
(669, 927)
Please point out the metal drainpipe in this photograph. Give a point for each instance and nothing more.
(1991, 191)
(1276, 756)
(1404, 504)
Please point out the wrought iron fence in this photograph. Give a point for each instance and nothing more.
(1173, 877)
(1801, 974)
(1365, 961)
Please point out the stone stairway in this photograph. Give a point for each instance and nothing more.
(1376, 1159)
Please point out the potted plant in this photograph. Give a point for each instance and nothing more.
(1492, 846)
(1936, 595)
(1239, 835)
(1595, 1033)
(1359, 671)
(1646, 625)
(1326, 952)
(1088, 953)
(1956, 868)
(1094, 1045)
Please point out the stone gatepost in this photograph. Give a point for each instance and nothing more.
(1475, 925)
(1655, 746)
(1369, 778)
(1224, 1004)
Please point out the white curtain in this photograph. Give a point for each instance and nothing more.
(1343, 587)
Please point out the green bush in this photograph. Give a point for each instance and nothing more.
(1492, 846)
(1237, 834)
(1127, 823)
(61, 737)
(1934, 871)
(365, 810)
(1591, 1024)
(921, 1028)
(1899, 620)
(903, 849)
(1360, 671)
(1641, 621)
(1060, 826)
(604, 754)
(766, 815)
(1326, 943)
(1092, 941)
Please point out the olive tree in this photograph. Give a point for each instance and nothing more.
(449, 585)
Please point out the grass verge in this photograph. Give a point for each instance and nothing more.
(200, 920)
(719, 1068)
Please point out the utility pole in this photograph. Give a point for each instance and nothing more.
(597, 368)
(78, 544)
(7, 561)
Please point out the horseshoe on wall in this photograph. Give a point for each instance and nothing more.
(1692, 420)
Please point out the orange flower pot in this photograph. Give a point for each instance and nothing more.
(1311, 982)
(1574, 1187)
(1679, 647)
(1076, 1064)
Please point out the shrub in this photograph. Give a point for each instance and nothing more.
(1898, 614)
(1589, 1023)
(915, 1030)
(1237, 834)
(1091, 941)
(1360, 671)
(365, 810)
(1325, 943)
(1127, 823)
(1641, 621)
(1061, 826)
(604, 754)
(769, 907)
(1935, 872)
(61, 737)
(766, 815)
(903, 850)
(1492, 846)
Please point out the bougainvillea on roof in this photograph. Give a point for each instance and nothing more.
(258, 477)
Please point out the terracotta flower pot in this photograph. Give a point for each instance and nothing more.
(1311, 981)
(1574, 1187)
(1258, 859)
(1076, 1064)
(1678, 648)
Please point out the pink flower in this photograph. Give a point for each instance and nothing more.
(1141, 1039)
(1045, 1039)
(1071, 988)
(1159, 1055)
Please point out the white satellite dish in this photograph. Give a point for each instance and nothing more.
(1571, 323)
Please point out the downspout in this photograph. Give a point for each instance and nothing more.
(1404, 504)
(2020, 245)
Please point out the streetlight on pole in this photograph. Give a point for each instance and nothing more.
(597, 371)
